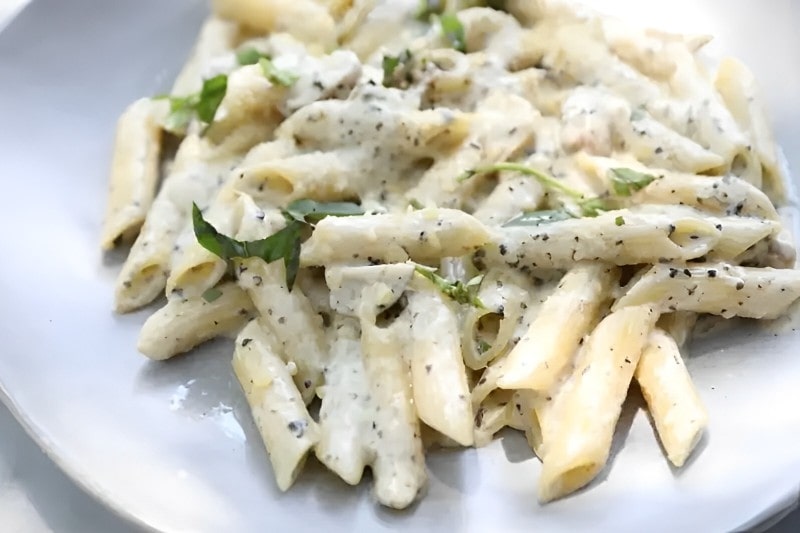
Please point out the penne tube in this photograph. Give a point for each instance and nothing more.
(493, 139)
(399, 460)
(296, 326)
(196, 269)
(324, 176)
(381, 118)
(192, 179)
(723, 195)
(438, 374)
(424, 236)
(286, 427)
(346, 406)
(306, 20)
(183, 324)
(715, 288)
(678, 413)
(491, 416)
(580, 445)
(134, 172)
(216, 39)
(621, 237)
(542, 354)
(739, 91)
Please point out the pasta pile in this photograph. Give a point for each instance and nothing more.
(441, 220)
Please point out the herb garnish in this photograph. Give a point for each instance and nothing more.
(276, 75)
(203, 104)
(283, 244)
(624, 182)
(463, 293)
(453, 31)
(619, 221)
(250, 56)
(415, 204)
(396, 69)
(589, 207)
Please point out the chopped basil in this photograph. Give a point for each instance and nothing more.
(453, 31)
(181, 112)
(283, 244)
(626, 181)
(276, 75)
(483, 346)
(211, 96)
(589, 207)
(463, 293)
(537, 218)
(619, 221)
(212, 294)
(312, 212)
(396, 69)
(592, 207)
(203, 104)
(249, 56)
(415, 204)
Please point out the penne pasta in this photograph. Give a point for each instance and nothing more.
(580, 444)
(419, 235)
(134, 172)
(346, 404)
(678, 413)
(542, 354)
(438, 375)
(181, 324)
(717, 288)
(287, 429)
(447, 219)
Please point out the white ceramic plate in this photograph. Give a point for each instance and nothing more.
(172, 446)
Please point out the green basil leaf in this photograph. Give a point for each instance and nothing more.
(312, 212)
(396, 69)
(542, 177)
(276, 75)
(389, 63)
(276, 246)
(214, 241)
(537, 218)
(458, 291)
(453, 31)
(283, 244)
(211, 96)
(415, 204)
(619, 221)
(179, 118)
(291, 262)
(249, 56)
(626, 181)
(592, 207)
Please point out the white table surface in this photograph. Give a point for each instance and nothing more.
(36, 497)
